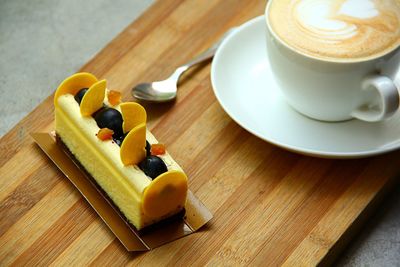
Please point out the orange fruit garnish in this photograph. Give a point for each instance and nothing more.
(133, 114)
(133, 147)
(92, 100)
(114, 97)
(165, 194)
(105, 134)
(157, 149)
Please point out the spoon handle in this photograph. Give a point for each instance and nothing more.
(209, 53)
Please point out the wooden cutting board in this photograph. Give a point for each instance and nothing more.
(270, 206)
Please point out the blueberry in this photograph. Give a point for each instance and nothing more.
(148, 147)
(110, 118)
(118, 139)
(153, 166)
(99, 110)
(78, 97)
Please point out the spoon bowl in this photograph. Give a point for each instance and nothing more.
(161, 91)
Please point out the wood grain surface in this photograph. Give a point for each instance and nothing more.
(270, 206)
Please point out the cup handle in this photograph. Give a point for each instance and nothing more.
(389, 99)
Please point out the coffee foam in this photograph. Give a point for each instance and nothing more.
(337, 29)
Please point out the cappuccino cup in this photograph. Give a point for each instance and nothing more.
(335, 60)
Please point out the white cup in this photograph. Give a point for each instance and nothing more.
(335, 91)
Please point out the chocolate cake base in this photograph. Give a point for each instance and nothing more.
(160, 224)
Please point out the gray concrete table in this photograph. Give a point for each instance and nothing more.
(42, 42)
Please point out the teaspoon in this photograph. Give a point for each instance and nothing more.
(163, 91)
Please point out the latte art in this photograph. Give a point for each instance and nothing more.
(337, 29)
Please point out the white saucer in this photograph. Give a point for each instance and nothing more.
(245, 87)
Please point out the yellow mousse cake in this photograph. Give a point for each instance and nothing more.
(111, 142)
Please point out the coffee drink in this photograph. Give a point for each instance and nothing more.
(337, 30)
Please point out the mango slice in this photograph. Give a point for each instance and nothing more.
(74, 83)
(165, 194)
(93, 98)
(133, 115)
(133, 147)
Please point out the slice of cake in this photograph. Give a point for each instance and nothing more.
(111, 142)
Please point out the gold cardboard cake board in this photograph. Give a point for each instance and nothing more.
(196, 215)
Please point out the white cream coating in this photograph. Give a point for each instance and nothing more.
(108, 151)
